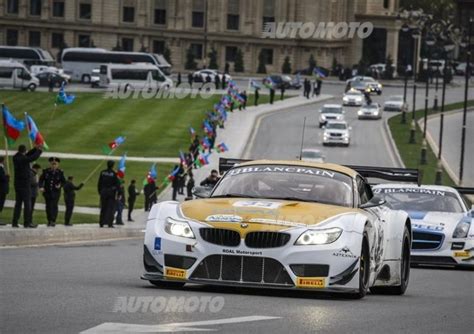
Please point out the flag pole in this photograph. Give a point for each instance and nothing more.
(28, 129)
(6, 155)
(51, 118)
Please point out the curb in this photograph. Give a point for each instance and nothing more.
(393, 146)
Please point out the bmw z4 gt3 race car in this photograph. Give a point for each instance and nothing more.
(284, 224)
(443, 233)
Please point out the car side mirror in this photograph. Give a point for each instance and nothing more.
(374, 201)
(202, 192)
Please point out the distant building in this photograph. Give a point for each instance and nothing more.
(178, 25)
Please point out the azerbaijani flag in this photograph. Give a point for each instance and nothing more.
(318, 73)
(35, 135)
(152, 175)
(192, 132)
(121, 167)
(63, 98)
(11, 126)
(207, 127)
(113, 145)
(182, 159)
(173, 174)
(268, 82)
(222, 147)
(205, 143)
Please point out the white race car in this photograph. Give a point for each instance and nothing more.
(443, 233)
(283, 224)
(353, 97)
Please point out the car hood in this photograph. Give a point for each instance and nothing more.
(435, 221)
(260, 214)
(331, 114)
(398, 103)
(353, 97)
(336, 131)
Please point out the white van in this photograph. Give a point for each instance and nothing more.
(15, 75)
(133, 76)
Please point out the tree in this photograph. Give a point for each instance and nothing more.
(261, 63)
(190, 60)
(312, 63)
(239, 61)
(388, 73)
(213, 59)
(286, 67)
(167, 54)
(440, 9)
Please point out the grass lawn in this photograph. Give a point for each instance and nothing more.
(39, 217)
(153, 127)
(411, 153)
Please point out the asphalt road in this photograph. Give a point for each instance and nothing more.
(69, 289)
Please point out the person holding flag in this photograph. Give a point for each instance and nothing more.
(62, 97)
(150, 188)
(70, 198)
(108, 187)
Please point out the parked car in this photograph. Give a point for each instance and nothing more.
(380, 68)
(57, 79)
(312, 155)
(14, 74)
(330, 112)
(201, 75)
(370, 111)
(336, 133)
(461, 69)
(353, 97)
(395, 103)
(95, 78)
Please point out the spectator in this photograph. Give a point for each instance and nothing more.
(244, 98)
(22, 184)
(272, 95)
(4, 184)
(217, 81)
(257, 95)
(175, 184)
(150, 194)
(120, 204)
(211, 180)
(190, 80)
(282, 91)
(190, 185)
(70, 198)
(108, 187)
(132, 197)
(178, 81)
(34, 186)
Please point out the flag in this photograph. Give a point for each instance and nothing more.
(254, 84)
(222, 147)
(318, 73)
(121, 167)
(192, 132)
(151, 176)
(205, 143)
(182, 159)
(207, 128)
(35, 135)
(113, 145)
(268, 82)
(203, 159)
(171, 176)
(63, 98)
(11, 126)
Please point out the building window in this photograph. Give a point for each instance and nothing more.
(230, 53)
(58, 8)
(386, 4)
(85, 11)
(197, 20)
(34, 38)
(268, 56)
(57, 40)
(127, 44)
(160, 12)
(158, 47)
(35, 7)
(12, 6)
(84, 41)
(12, 37)
(128, 14)
(196, 49)
(233, 17)
(268, 11)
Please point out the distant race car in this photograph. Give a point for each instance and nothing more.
(395, 103)
(312, 155)
(353, 97)
(370, 111)
(330, 112)
(336, 133)
(283, 224)
(443, 232)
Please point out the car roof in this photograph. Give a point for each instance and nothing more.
(327, 166)
(332, 106)
(413, 186)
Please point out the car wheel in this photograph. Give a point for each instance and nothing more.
(31, 87)
(86, 78)
(404, 270)
(167, 284)
(364, 269)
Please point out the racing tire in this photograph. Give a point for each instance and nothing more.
(404, 270)
(167, 284)
(31, 87)
(364, 270)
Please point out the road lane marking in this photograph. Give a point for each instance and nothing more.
(113, 327)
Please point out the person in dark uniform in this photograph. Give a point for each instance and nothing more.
(190, 79)
(4, 183)
(34, 185)
(256, 96)
(150, 194)
(190, 185)
(120, 204)
(69, 198)
(272, 95)
(178, 82)
(217, 81)
(21, 165)
(132, 197)
(51, 181)
(107, 187)
(282, 92)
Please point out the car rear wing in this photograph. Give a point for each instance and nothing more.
(388, 173)
(465, 190)
(227, 163)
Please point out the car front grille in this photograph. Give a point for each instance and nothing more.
(335, 134)
(219, 236)
(242, 269)
(432, 259)
(266, 239)
(310, 270)
(331, 117)
(427, 240)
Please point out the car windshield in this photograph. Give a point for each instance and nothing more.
(311, 154)
(338, 126)
(332, 110)
(370, 106)
(419, 199)
(286, 182)
(354, 93)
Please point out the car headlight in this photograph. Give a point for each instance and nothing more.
(462, 229)
(376, 112)
(359, 112)
(178, 228)
(380, 85)
(319, 237)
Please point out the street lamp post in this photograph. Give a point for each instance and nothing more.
(447, 48)
(405, 29)
(430, 41)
